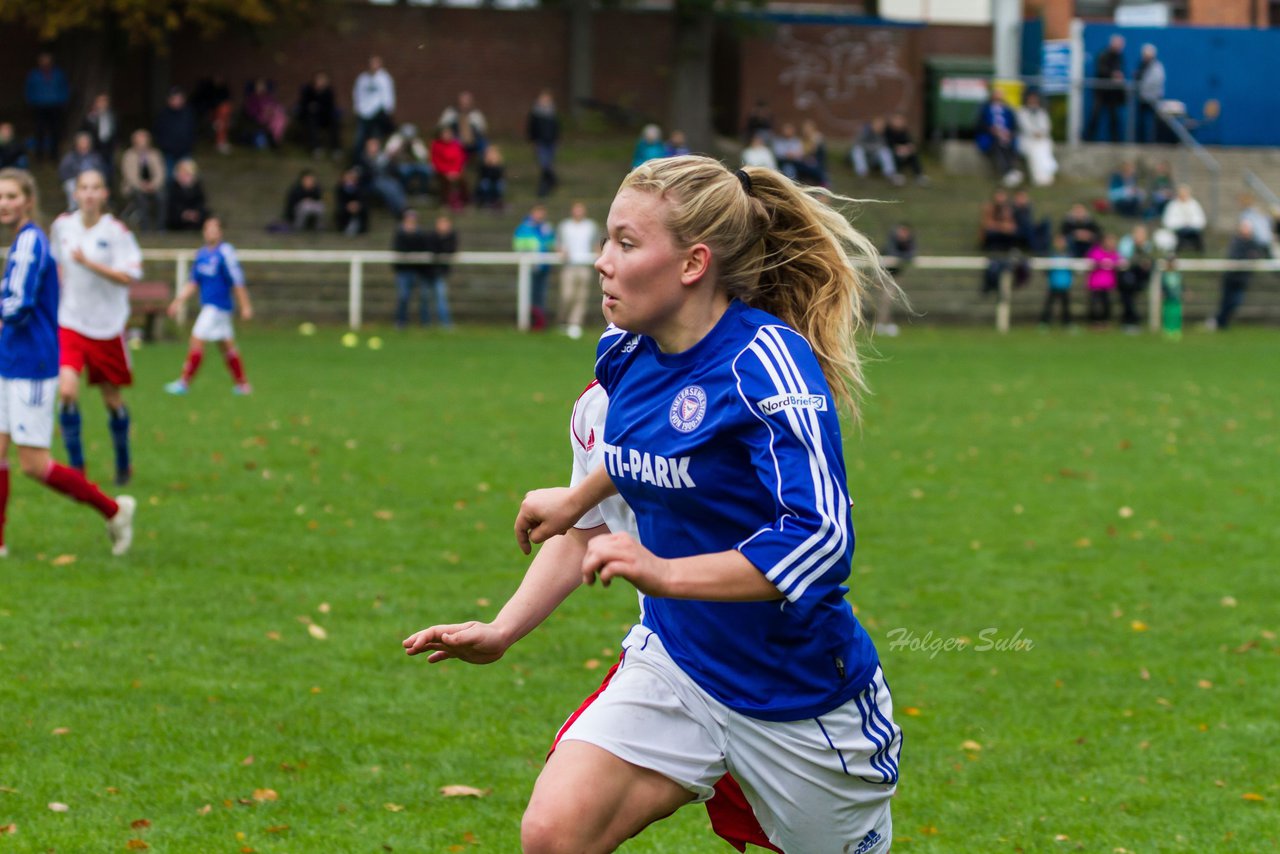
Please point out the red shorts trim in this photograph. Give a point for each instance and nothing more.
(107, 360)
(731, 815)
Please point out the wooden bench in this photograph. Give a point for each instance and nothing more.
(149, 301)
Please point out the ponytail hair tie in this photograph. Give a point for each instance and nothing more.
(744, 179)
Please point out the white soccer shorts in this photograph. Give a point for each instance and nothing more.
(213, 324)
(26, 411)
(820, 785)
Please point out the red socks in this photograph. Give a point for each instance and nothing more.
(73, 484)
(235, 366)
(4, 497)
(191, 365)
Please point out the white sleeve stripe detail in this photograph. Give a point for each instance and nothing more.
(800, 573)
(621, 335)
(233, 264)
(24, 255)
(812, 558)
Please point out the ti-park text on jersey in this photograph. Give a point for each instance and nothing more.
(734, 445)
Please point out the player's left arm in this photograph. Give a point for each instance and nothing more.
(241, 295)
(719, 577)
(239, 290)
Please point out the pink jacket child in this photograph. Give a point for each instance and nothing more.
(1106, 263)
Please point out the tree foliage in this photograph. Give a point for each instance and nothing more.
(147, 21)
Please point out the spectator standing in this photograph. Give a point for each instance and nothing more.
(535, 234)
(175, 130)
(1150, 78)
(1109, 94)
(1102, 278)
(263, 108)
(79, 159)
(1059, 276)
(1171, 302)
(449, 160)
(1185, 218)
(788, 148)
(351, 204)
(318, 113)
(100, 123)
(374, 100)
(1138, 255)
(469, 126)
(142, 183)
(998, 137)
(47, 94)
(578, 242)
(444, 243)
(1123, 193)
(1244, 247)
(13, 154)
(758, 153)
(377, 176)
(304, 204)
(871, 149)
(185, 205)
(1080, 229)
(1035, 139)
(491, 180)
(813, 164)
(905, 155)
(211, 102)
(677, 144)
(543, 131)
(649, 146)
(411, 275)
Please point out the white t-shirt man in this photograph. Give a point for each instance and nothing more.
(91, 305)
(374, 92)
(579, 240)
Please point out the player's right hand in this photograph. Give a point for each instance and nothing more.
(172, 311)
(473, 642)
(544, 513)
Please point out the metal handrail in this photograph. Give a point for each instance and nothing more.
(1258, 186)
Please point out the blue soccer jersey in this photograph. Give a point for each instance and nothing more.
(216, 271)
(29, 305)
(735, 444)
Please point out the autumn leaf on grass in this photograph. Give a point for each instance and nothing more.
(1252, 796)
(205, 810)
(136, 845)
(457, 791)
(262, 795)
(277, 828)
(61, 730)
(57, 807)
(8, 828)
(317, 632)
(384, 515)
(139, 824)
(970, 744)
(63, 560)
(390, 807)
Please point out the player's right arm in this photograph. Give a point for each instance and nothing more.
(544, 513)
(554, 573)
(187, 292)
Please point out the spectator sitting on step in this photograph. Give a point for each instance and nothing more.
(449, 159)
(1185, 218)
(13, 154)
(468, 124)
(81, 158)
(378, 178)
(812, 168)
(351, 204)
(411, 160)
(318, 112)
(677, 144)
(142, 183)
(268, 115)
(1124, 194)
(1080, 229)
(491, 181)
(998, 137)
(304, 205)
(905, 156)
(788, 148)
(649, 146)
(870, 149)
(999, 229)
(185, 205)
(1033, 235)
(1160, 190)
(758, 153)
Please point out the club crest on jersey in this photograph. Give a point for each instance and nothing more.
(688, 409)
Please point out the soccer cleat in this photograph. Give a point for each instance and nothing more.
(120, 526)
(176, 387)
(4, 551)
(242, 389)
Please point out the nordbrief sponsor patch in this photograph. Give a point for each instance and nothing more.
(779, 402)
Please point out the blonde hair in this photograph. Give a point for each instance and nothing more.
(778, 247)
(27, 185)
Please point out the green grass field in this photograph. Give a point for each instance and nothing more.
(1104, 505)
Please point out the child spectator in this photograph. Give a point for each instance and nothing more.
(813, 163)
(449, 159)
(211, 102)
(491, 182)
(304, 205)
(267, 113)
(1080, 229)
(1059, 277)
(758, 153)
(216, 275)
(351, 204)
(184, 200)
(535, 234)
(318, 113)
(410, 275)
(1123, 193)
(1102, 278)
(871, 149)
(648, 146)
(677, 144)
(1138, 254)
(897, 137)
(444, 243)
(788, 148)
(1171, 292)
(142, 182)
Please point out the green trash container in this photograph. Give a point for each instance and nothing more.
(957, 88)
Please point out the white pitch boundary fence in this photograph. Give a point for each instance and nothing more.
(524, 262)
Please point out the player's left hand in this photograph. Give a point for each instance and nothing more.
(246, 312)
(612, 556)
